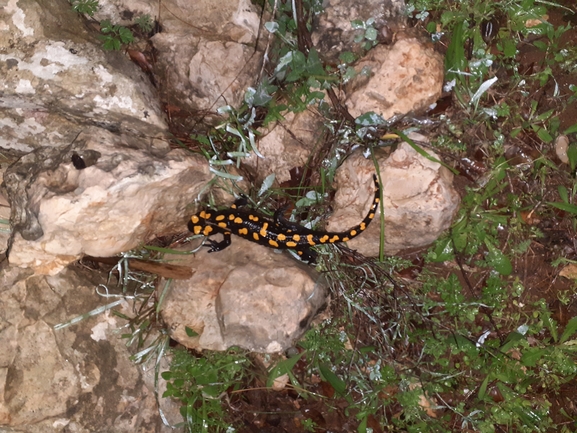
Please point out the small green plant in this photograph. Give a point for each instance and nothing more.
(114, 36)
(309, 425)
(86, 7)
(144, 23)
(201, 383)
(368, 37)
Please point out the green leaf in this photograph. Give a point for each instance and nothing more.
(551, 325)
(543, 116)
(499, 261)
(370, 119)
(443, 250)
(572, 129)
(371, 34)
(314, 65)
(567, 207)
(461, 342)
(336, 382)
(529, 417)
(111, 44)
(283, 367)
(363, 424)
(541, 45)
(511, 341)
(509, 48)
(455, 60)
(125, 35)
(563, 193)
(569, 330)
(544, 135)
(506, 391)
(347, 57)
(357, 24)
(483, 387)
(532, 355)
(190, 332)
(105, 26)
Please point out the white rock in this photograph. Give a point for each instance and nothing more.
(408, 76)
(246, 295)
(418, 197)
(54, 84)
(128, 196)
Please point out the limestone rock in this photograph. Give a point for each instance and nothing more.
(208, 59)
(4, 223)
(287, 145)
(246, 295)
(65, 380)
(408, 76)
(122, 198)
(418, 197)
(333, 32)
(56, 79)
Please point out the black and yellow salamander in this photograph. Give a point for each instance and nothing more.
(272, 233)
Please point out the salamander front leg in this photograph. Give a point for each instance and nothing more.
(307, 255)
(219, 246)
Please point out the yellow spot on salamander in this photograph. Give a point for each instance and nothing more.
(291, 244)
(204, 215)
(197, 229)
(255, 236)
(253, 217)
(334, 239)
(310, 239)
(272, 243)
(377, 200)
(345, 239)
(263, 230)
(296, 238)
(323, 239)
(238, 220)
(281, 237)
(195, 219)
(207, 230)
(219, 218)
(231, 216)
(222, 224)
(243, 231)
(353, 233)
(371, 216)
(362, 226)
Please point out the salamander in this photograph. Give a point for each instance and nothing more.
(273, 233)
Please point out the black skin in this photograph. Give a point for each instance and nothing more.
(277, 232)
